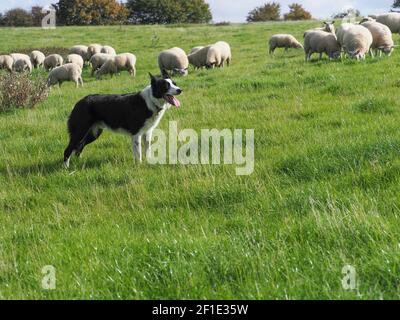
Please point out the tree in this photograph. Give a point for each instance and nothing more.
(168, 11)
(90, 12)
(267, 12)
(297, 12)
(17, 18)
(37, 15)
(396, 5)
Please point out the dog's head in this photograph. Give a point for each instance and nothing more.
(165, 88)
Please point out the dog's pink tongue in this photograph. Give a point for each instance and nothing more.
(176, 102)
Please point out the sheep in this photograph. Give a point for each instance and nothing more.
(123, 61)
(195, 49)
(382, 37)
(22, 65)
(328, 27)
(321, 42)
(98, 60)
(391, 19)
(357, 41)
(37, 58)
(24, 62)
(283, 41)
(340, 32)
(75, 58)
(218, 54)
(365, 19)
(93, 49)
(52, 61)
(174, 60)
(6, 62)
(108, 50)
(199, 58)
(67, 72)
(80, 50)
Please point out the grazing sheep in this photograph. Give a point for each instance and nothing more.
(22, 65)
(357, 41)
(121, 62)
(195, 49)
(93, 49)
(365, 19)
(67, 72)
(98, 60)
(283, 41)
(174, 60)
(6, 62)
(218, 54)
(199, 58)
(340, 32)
(53, 61)
(24, 62)
(80, 50)
(391, 19)
(328, 27)
(108, 50)
(37, 58)
(382, 37)
(109, 67)
(75, 58)
(321, 42)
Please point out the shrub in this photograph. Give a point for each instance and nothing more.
(268, 12)
(19, 91)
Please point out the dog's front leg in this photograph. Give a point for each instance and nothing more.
(147, 144)
(137, 148)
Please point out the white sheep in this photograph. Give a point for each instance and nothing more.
(328, 27)
(340, 32)
(219, 54)
(283, 41)
(357, 41)
(22, 65)
(391, 19)
(93, 49)
(382, 37)
(98, 60)
(67, 72)
(195, 49)
(75, 58)
(37, 58)
(198, 59)
(108, 50)
(6, 62)
(174, 60)
(121, 62)
(53, 61)
(22, 62)
(321, 42)
(80, 50)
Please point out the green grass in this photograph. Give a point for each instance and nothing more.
(324, 194)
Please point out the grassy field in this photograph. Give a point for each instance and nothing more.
(324, 194)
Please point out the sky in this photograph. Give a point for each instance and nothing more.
(236, 10)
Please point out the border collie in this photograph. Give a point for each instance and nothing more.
(136, 114)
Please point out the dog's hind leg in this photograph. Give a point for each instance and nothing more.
(93, 134)
(77, 137)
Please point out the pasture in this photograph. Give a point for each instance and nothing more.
(324, 194)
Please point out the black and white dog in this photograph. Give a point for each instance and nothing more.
(136, 114)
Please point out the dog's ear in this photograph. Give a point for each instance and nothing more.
(152, 78)
(165, 74)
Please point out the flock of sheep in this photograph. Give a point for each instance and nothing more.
(372, 35)
(105, 60)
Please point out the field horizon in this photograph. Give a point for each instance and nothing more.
(324, 194)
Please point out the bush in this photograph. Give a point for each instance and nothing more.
(269, 12)
(297, 12)
(19, 91)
